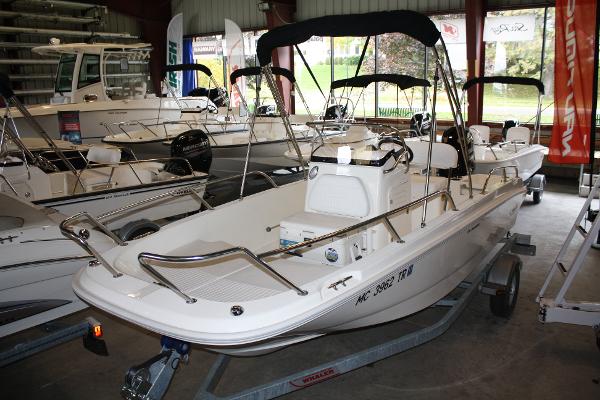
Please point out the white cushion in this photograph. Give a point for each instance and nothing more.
(518, 133)
(339, 195)
(481, 133)
(443, 155)
(103, 155)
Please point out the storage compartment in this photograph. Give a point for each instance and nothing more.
(338, 251)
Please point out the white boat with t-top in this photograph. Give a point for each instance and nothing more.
(361, 241)
(96, 84)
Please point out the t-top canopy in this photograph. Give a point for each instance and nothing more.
(505, 79)
(410, 23)
(188, 67)
(254, 71)
(403, 81)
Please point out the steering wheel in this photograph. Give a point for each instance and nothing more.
(396, 141)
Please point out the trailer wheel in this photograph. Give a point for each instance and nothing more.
(502, 305)
(537, 196)
(138, 229)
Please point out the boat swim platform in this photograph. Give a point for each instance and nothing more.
(150, 380)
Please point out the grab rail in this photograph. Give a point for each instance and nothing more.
(258, 258)
(503, 168)
(81, 237)
(129, 164)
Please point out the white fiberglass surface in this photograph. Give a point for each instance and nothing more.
(244, 223)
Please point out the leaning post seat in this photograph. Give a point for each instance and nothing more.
(346, 185)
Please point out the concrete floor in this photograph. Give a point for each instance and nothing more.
(479, 357)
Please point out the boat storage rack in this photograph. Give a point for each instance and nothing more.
(151, 379)
(558, 309)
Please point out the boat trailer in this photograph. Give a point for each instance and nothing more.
(89, 329)
(499, 278)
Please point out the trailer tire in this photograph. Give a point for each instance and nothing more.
(503, 305)
(537, 196)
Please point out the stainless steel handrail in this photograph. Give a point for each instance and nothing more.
(258, 258)
(81, 238)
(130, 165)
(83, 235)
(503, 168)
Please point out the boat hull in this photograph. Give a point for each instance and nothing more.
(528, 160)
(92, 115)
(36, 273)
(100, 202)
(396, 281)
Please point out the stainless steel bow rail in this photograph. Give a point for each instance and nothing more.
(81, 238)
(258, 259)
(150, 380)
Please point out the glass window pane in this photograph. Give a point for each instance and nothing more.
(522, 59)
(64, 77)
(347, 52)
(399, 54)
(317, 52)
(89, 72)
(208, 50)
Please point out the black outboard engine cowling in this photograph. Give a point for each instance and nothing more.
(336, 112)
(194, 146)
(421, 122)
(451, 137)
(509, 123)
(215, 95)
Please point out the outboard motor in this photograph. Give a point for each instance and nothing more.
(215, 95)
(194, 146)
(336, 112)
(451, 137)
(421, 122)
(509, 123)
(267, 110)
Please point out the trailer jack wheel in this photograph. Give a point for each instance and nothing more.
(537, 196)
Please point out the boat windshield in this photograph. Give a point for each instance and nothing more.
(89, 72)
(64, 77)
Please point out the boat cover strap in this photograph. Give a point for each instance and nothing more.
(255, 71)
(403, 81)
(188, 67)
(516, 80)
(411, 23)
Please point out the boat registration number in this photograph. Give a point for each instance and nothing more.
(384, 285)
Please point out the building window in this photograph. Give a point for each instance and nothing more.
(514, 46)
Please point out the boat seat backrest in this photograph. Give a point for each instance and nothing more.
(103, 155)
(481, 133)
(518, 133)
(339, 195)
(443, 155)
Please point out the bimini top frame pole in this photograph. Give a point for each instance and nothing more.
(513, 80)
(193, 67)
(411, 23)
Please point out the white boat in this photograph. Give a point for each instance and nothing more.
(360, 242)
(37, 266)
(229, 134)
(519, 148)
(85, 97)
(105, 183)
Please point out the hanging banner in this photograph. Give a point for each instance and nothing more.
(234, 45)
(175, 52)
(573, 89)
